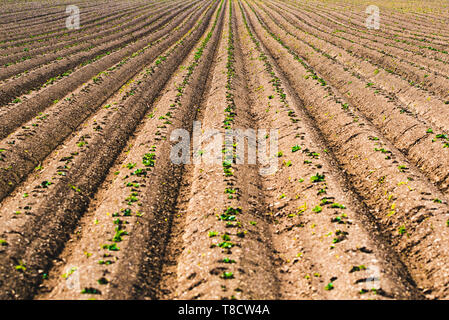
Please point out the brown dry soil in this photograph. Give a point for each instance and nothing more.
(93, 207)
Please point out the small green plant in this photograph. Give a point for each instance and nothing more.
(119, 234)
(317, 178)
(90, 290)
(287, 163)
(357, 268)
(21, 266)
(69, 273)
(131, 165)
(149, 159)
(226, 245)
(329, 286)
(338, 205)
(227, 275)
(228, 260)
(45, 184)
(111, 247)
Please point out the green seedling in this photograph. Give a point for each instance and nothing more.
(131, 165)
(226, 245)
(111, 247)
(21, 266)
(90, 290)
(338, 205)
(329, 286)
(228, 260)
(226, 237)
(357, 268)
(149, 159)
(287, 163)
(317, 178)
(227, 275)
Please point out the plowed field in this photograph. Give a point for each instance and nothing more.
(92, 204)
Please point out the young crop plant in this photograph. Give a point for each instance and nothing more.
(21, 266)
(228, 260)
(90, 290)
(213, 234)
(119, 233)
(227, 275)
(226, 245)
(402, 230)
(340, 219)
(317, 178)
(296, 148)
(338, 205)
(111, 247)
(287, 163)
(131, 165)
(357, 268)
(148, 159)
(329, 286)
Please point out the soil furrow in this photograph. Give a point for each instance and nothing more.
(412, 99)
(24, 155)
(431, 80)
(103, 28)
(389, 118)
(314, 223)
(143, 259)
(71, 57)
(85, 176)
(377, 172)
(59, 31)
(22, 112)
(224, 150)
